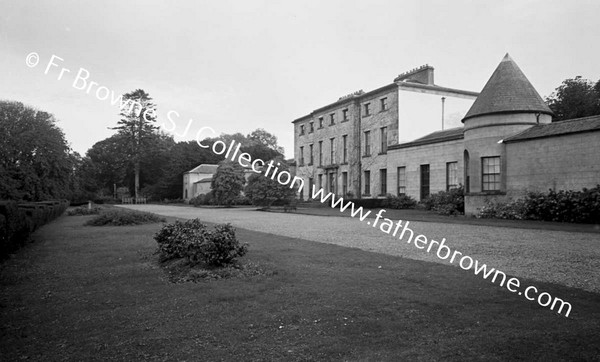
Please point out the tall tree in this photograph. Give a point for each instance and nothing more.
(107, 162)
(575, 98)
(35, 159)
(227, 183)
(265, 138)
(137, 124)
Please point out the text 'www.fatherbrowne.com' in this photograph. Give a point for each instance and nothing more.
(404, 233)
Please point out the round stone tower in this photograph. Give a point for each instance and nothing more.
(507, 105)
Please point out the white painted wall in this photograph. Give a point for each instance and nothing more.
(421, 113)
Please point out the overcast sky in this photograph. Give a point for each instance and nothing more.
(240, 65)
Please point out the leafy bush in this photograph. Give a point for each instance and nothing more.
(227, 183)
(446, 202)
(120, 217)
(192, 240)
(84, 210)
(514, 210)
(242, 200)
(265, 192)
(562, 206)
(400, 202)
(203, 199)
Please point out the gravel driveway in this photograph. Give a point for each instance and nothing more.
(571, 259)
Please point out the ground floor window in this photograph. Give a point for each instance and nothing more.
(332, 182)
(451, 175)
(344, 183)
(490, 173)
(367, 182)
(383, 181)
(401, 181)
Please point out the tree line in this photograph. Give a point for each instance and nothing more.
(37, 163)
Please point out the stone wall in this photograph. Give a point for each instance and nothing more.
(567, 162)
(436, 155)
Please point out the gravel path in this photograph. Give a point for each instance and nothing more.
(571, 259)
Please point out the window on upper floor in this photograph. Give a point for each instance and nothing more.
(345, 149)
(320, 122)
(332, 119)
(384, 140)
(345, 115)
(312, 127)
(331, 150)
(384, 105)
(301, 129)
(367, 143)
(320, 153)
(367, 107)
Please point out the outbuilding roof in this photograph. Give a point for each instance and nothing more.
(507, 91)
(577, 125)
(204, 180)
(434, 137)
(204, 168)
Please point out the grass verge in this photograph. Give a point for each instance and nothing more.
(98, 294)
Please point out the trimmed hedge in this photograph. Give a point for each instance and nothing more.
(561, 206)
(368, 203)
(19, 220)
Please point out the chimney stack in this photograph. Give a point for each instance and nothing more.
(422, 74)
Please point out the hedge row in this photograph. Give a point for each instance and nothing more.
(561, 206)
(18, 220)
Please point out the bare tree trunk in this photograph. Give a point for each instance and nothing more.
(137, 179)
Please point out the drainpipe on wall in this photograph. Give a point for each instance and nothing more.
(443, 102)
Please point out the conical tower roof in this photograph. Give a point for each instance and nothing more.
(507, 91)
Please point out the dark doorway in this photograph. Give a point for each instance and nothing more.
(424, 181)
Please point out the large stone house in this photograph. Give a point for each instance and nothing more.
(506, 145)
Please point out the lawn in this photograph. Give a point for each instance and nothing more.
(97, 293)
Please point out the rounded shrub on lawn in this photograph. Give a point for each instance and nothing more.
(193, 241)
(84, 210)
(120, 217)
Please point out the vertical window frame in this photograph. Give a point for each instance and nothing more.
(451, 175)
(383, 182)
(491, 173)
(401, 183)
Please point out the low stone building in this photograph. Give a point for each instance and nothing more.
(197, 180)
(506, 147)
